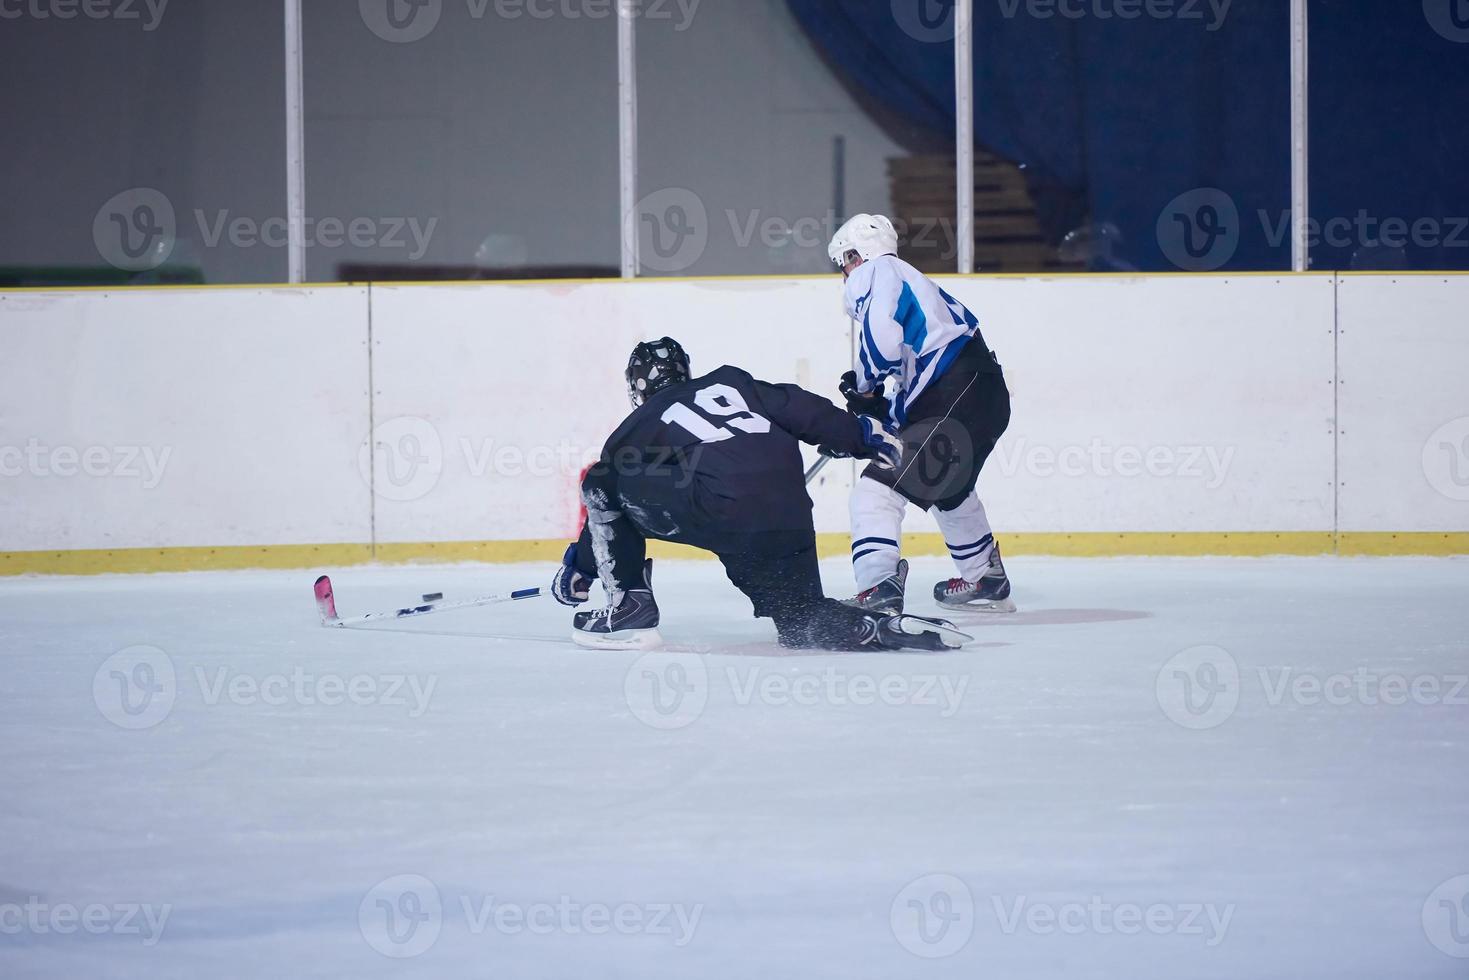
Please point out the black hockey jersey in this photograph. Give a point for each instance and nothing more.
(715, 462)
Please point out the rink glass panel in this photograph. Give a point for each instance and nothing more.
(143, 145)
(1121, 138)
(466, 141)
(754, 143)
(1388, 140)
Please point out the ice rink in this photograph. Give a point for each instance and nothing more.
(1157, 768)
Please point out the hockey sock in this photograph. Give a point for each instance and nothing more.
(618, 546)
(967, 532)
(877, 522)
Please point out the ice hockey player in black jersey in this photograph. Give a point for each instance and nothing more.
(714, 462)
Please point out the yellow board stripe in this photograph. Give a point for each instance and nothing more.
(1403, 543)
(1090, 544)
(127, 560)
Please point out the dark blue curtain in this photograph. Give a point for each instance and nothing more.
(1113, 119)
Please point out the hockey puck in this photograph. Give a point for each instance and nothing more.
(432, 596)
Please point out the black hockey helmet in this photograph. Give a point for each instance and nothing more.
(655, 364)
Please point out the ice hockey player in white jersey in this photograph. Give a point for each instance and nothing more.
(950, 405)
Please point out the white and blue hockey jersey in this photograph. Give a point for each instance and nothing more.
(908, 328)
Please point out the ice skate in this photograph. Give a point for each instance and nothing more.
(919, 633)
(887, 595)
(632, 624)
(990, 594)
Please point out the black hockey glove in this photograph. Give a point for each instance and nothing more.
(873, 403)
(571, 586)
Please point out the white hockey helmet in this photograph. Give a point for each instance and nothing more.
(869, 235)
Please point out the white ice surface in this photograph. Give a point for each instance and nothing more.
(1321, 829)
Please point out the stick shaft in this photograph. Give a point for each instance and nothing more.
(816, 467)
(328, 606)
(433, 607)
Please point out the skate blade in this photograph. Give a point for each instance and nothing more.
(983, 606)
(950, 636)
(621, 640)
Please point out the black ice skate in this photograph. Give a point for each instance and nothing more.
(990, 594)
(919, 633)
(887, 595)
(630, 625)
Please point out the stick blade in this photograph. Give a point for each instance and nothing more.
(326, 600)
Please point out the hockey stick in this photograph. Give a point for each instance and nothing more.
(326, 605)
(326, 602)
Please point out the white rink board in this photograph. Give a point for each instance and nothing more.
(251, 403)
(1243, 365)
(518, 386)
(1404, 403)
(1178, 403)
